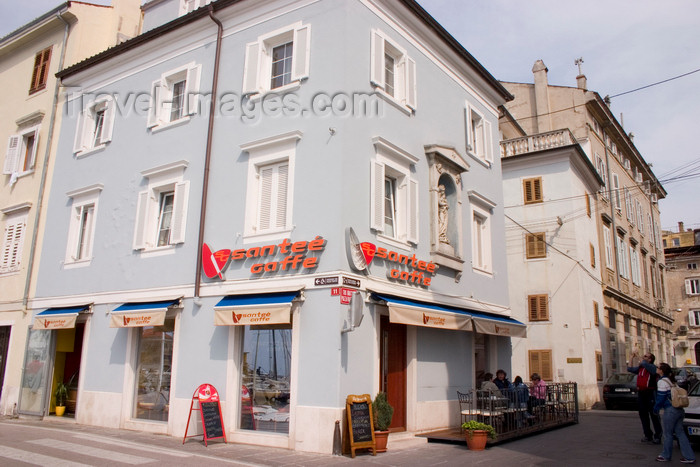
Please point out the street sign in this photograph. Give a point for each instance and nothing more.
(332, 280)
(351, 282)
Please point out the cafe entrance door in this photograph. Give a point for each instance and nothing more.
(392, 369)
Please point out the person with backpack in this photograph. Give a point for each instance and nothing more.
(646, 385)
(672, 417)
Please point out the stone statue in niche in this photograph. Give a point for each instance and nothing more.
(443, 217)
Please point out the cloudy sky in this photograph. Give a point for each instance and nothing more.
(625, 45)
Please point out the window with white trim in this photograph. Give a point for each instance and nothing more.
(603, 172)
(161, 214)
(622, 263)
(481, 235)
(393, 193)
(694, 318)
(692, 265)
(270, 189)
(392, 71)
(13, 239)
(640, 216)
(608, 247)
(478, 131)
(634, 262)
(187, 6)
(81, 230)
(616, 192)
(174, 96)
(277, 60)
(692, 286)
(21, 153)
(629, 207)
(95, 125)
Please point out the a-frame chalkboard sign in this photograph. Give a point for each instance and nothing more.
(207, 399)
(360, 423)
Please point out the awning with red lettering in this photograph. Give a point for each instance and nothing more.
(135, 315)
(416, 313)
(58, 318)
(254, 309)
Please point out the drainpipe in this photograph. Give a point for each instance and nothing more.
(207, 156)
(44, 168)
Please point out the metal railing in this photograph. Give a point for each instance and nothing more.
(515, 412)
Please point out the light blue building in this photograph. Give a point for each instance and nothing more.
(330, 224)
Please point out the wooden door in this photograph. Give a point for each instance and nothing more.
(392, 367)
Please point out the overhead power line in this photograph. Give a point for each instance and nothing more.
(654, 84)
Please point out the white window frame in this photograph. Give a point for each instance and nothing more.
(622, 263)
(634, 263)
(188, 6)
(608, 247)
(478, 134)
(694, 318)
(640, 216)
(86, 139)
(617, 197)
(405, 93)
(629, 206)
(81, 199)
(692, 286)
(390, 160)
(16, 155)
(14, 233)
(268, 153)
(161, 179)
(603, 172)
(481, 213)
(159, 112)
(257, 69)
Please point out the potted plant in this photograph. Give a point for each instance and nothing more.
(383, 412)
(61, 394)
(477, 433)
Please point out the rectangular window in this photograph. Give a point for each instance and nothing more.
(627, 324)
(635, 269)
(153, 371)
(639, 328)
(21, 152)
(541, 362)
(640, 216)
(392, 71)
(538, 307)
(532, 190)
(588, 205)
(274, 191)
(85, 215)
(692, 286)
(596, 314)
(13, 240)
(165, 217)
(592, 248)
(599, 366)
(694, 318)
(40, 72)
(608, 247)
(622, 263)
(479, 143)
(692, 265)
(277, 59)
(174, 96)
(629, 207)
(481, 239)
(612, 319)
(95, 125)
(535, 245)
(177, 104)
(82, 223)
(266, 377)
(616, 195)
(389, 206)
(603, 172)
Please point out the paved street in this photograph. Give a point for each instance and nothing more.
(602, 438)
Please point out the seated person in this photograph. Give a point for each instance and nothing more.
(488, 385)
(538, 390)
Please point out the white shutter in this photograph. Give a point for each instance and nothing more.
(281, 201)
(108, 122)
(488, 141)
(7, 247)
(78, 143)
(468, 129)
(377, 196)
(251, 69)
(688, 287)
(691, 318)
(179, 222)
(410, 100)
(32, 156)
(12, 249)
(616, 191)
(154, 111)
(265, 210)
(302, 52)
(12, 155)
(377, 60)
(192, 89)
(141, 221)
(412, 211)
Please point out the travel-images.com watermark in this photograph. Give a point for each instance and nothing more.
(249, 109)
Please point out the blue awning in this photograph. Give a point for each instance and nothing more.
(146, 306)
(254, 309)
(417, 313)
(58, 318)
(140, 314)
(71, 310)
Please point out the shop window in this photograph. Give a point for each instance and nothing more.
(392, 72)
(40, 71)
(277, 60)
(21, 153)
(266, 378)
(13, 240)
(174, 97)
(541, 362)
(154, 364)
(535, 245)
(82, 224)
(532, 190)
(538, 307)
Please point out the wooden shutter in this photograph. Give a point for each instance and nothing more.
(141, 221)
(536, 246)
(251, 68)
(40, 73)
(538, 307)
(532, 190)
(541, 362)
(596, 314)
(301, 53)
(12, 155)
(377, 196)
(588, 205)
(179, 222)
(410, 98)
(377, 60)
(412, 211)
(592, 255)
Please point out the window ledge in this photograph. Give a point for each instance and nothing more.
(80, 263)
(157, 251)
(544, 258)
(87, 152)
(483, 272)
(393, 242)
(393, 101)
(164, 126)
(266, 236)
(484, 162)
(261, 94)
(37, 93)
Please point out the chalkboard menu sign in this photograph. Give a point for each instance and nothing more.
(360, 423)
(207, 397)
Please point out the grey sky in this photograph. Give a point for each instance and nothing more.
(624, 44)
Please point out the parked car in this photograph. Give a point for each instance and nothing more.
(691, 422)
(685, 377)
(620, 390)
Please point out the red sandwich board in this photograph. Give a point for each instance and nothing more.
(207, 399)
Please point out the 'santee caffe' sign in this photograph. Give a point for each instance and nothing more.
(421, 272)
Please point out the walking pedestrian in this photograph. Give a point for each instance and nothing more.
(646, 386)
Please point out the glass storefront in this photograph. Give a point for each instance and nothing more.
(266, 376)
(155, 356)
(33, 396)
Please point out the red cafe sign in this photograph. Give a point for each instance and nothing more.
(215, 263)
(420, 273)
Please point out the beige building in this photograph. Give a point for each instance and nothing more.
(624, 257)
(684, 237)
(29, 58)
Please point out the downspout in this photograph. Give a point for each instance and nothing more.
(44, 168)
(207, 156)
